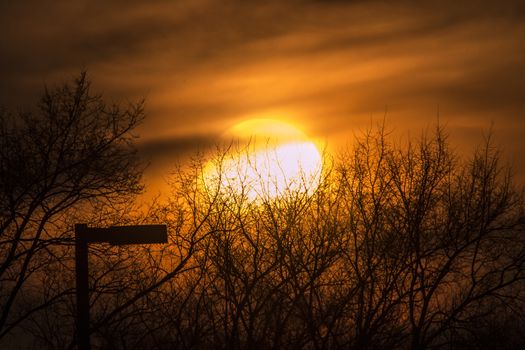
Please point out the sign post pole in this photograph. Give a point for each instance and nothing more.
(81, 265)
(115, 235)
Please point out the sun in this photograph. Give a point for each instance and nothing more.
(273, 159)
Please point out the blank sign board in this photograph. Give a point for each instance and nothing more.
(120, 235)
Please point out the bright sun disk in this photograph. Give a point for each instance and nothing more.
(277, 159)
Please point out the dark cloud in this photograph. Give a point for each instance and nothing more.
(177, 146)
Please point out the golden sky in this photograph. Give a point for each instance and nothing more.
(328, 67)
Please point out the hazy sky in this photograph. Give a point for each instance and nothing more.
(329, 67)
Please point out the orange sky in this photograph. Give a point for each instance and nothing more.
(329, 67)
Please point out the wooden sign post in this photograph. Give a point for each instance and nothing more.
(115, 235)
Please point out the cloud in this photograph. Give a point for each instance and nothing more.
(327, 66)
(177, 146)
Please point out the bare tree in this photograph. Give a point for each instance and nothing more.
(465, 245)
(74, 152)
(400, 246)
(397, 246)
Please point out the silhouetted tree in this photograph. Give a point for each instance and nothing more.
(398, 246)
(437, 241)
(73, 153)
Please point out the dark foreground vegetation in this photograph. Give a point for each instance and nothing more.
(403, 246)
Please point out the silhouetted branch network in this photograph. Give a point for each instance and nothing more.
(399, 246)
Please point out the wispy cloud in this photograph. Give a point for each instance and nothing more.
(327, 65)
